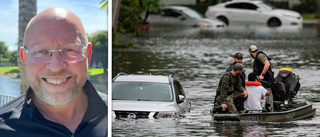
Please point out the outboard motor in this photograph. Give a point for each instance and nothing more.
(287, 85)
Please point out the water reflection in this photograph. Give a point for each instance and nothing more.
(198, 63)
(9, 86)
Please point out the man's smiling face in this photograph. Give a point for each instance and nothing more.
(56, 80)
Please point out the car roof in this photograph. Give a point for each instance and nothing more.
(176, 7)
(251, 1)
(142, 78)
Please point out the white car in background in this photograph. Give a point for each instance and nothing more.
(148, 96)
(253, 12)
(180, 17)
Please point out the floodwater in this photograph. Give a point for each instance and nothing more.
(9, 86)
(198, 62)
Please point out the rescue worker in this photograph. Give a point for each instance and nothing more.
(230, 90)
(238, 59)
(261, 65)
(262, 68)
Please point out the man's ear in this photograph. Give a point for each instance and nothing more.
(89, 52)
(22, 56)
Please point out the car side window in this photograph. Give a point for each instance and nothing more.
(242, 5)
(178, 89)
(171, 13)
(235, 5)
(249, 6)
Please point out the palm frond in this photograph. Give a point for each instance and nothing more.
(104, 5)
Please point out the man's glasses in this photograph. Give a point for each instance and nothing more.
(239, 58)
(69, 52)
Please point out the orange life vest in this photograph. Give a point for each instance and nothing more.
(253, 83)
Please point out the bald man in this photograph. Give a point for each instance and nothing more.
(61, 100)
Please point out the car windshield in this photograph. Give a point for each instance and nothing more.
(141, 91)
(192, 13)
(267, 6)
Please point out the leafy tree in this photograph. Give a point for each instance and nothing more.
(129, 17)
(130, 11)
(3, 50)
(100, 50)
(12, 57)
(150, 5)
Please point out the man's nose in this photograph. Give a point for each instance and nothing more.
(56, 62)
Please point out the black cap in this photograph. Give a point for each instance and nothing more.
(238, 66)
(238, 55)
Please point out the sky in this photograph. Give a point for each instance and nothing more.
(88, 11)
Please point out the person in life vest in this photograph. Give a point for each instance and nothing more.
(255, 93)
(230, 90)
(261, 65)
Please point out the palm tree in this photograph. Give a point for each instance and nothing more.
(104, 4)
(27, 10)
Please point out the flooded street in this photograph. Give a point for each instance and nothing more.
(199, 61)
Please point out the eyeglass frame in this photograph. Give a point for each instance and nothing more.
(60, 51)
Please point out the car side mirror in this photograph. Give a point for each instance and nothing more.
(181, 98)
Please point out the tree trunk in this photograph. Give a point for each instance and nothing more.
(115, 13)
(317, 15)
(27, 10)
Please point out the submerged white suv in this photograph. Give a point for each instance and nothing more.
(147, 96)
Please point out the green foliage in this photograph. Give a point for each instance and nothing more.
(308, 16)
(200, 7)
(129, 16)
(95, 71)
(12, 57)
(104, 5)
(130, 11)
(6, 55)
(100, 49)
(9, 69)
(118, 43)
(153, 5)
(306, 6)
(3, 50)
(279, 4)
(150, 5)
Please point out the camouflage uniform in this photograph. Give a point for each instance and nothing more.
(230, 91)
